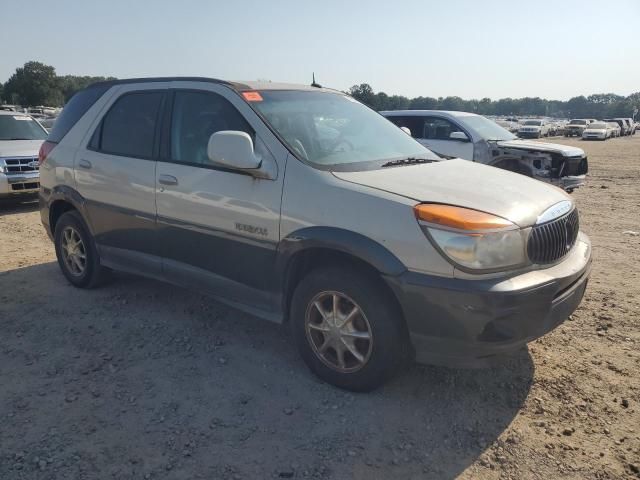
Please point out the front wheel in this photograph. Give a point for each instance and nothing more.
(348, 329)
(76, 252)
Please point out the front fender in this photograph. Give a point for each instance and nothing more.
(340, 240)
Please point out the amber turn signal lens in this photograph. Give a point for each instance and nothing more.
(459, 218)
(252, 96)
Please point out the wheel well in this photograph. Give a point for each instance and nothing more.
(56, 210)
(312, 258)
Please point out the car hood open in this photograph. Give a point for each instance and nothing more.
(515, 197)
(565, 150)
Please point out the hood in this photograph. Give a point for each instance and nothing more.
(575, 126)
(595, 130)
(515, 197)
(20, 148)
(530, 127)
(565, 150)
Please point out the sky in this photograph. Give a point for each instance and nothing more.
(467, 48)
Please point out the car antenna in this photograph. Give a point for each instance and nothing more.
(313, 82)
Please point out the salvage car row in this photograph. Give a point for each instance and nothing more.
(538, 128)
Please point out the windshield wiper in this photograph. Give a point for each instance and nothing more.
(16, 138)
(408, 161)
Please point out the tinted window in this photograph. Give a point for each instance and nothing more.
(75, 109)
(197, 116)
(128, 128)
(438, 128)
(20, 127)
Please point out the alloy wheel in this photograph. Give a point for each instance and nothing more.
(74, 252)
(338, 331)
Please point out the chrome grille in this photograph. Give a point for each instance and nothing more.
(21, 165)
(552, 240)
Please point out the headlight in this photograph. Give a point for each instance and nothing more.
(471, 239)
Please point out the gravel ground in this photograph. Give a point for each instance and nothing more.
(143, 380)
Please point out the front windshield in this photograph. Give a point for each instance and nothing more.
(597, 126)
(20, 127)
(536, 123)
(330, 129)
(485, 128)
(578, 122)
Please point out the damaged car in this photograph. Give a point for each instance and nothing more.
(476, 138)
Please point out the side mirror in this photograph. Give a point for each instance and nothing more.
(459, 136)
(233, 149)
(406, 130)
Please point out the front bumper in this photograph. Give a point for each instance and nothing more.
(461, 322)
(535, 134)
(570, 132)
(570, 182)
(19, 184)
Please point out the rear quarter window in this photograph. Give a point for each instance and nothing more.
(75, 109)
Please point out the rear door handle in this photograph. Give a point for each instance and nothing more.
(167, 180)
(84, 164)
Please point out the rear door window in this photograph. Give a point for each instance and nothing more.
(129, 127)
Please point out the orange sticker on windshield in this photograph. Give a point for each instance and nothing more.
(252, 96)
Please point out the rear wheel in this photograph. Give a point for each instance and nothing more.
(347, 328)
(76, 252)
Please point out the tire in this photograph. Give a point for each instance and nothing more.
(387, 347)
(69, 229)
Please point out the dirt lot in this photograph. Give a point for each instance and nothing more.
(143, 380)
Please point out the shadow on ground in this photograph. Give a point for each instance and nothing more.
(12, 206)
(140, 378)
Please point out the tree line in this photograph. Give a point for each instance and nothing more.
(38, 84)
(598, 105)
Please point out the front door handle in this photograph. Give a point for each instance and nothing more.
(167, 180)
(84, 164)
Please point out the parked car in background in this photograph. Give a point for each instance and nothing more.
(534, 129)
(20, 139)
(560, 126)
(631, 126)
(473, 262)
(509, 125)
(476, 138)
(624, 126)
(576, 126)
(553, 129)
(614, 128)
(48, 122)
(596, 131)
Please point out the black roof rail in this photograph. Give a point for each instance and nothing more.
(123, 81)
